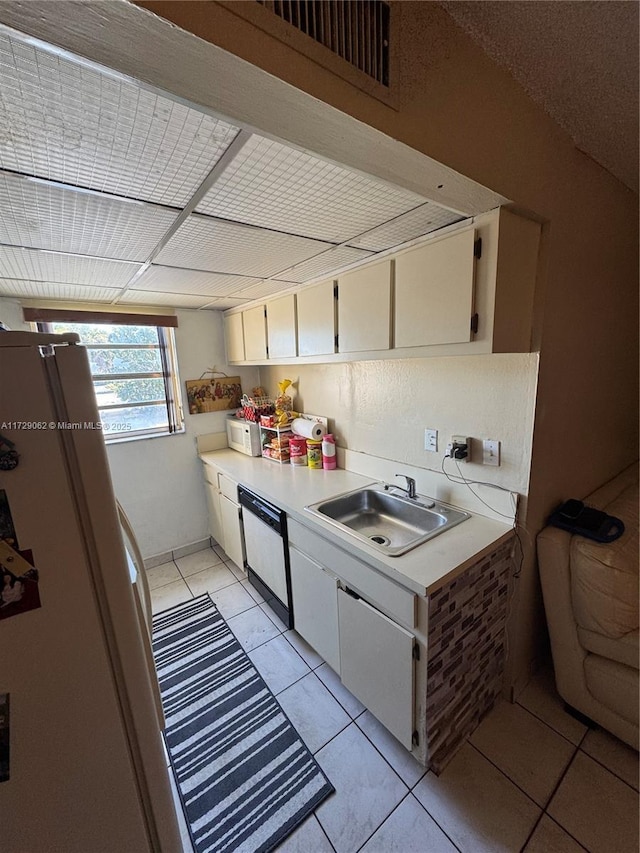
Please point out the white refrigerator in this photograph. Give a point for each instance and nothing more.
(82, 766)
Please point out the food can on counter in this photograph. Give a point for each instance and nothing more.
(298, 450)
(314, 453)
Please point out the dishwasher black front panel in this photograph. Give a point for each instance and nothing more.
(284, 613)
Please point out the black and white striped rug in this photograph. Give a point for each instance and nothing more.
(245, 777)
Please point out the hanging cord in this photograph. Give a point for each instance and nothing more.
(213, 372)
(462, 480)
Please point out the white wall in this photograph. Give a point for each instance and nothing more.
(159, 481)
(11, 314)
(383, 407)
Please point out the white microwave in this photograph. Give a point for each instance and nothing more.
(244, 436)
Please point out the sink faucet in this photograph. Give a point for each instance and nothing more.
(411, 486)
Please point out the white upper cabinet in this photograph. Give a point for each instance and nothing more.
(364, 308)
(434, 292)
(281, 327)
(469, 291)
(316, 319)
(234, 337)
(255, 333)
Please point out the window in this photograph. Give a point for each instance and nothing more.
(134, 372)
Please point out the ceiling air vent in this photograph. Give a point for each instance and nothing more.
(356, 31)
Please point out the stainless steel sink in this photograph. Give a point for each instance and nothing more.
(390, 522)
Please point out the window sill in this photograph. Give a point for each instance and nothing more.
(122, 439)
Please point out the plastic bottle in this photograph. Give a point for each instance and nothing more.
(328, 452)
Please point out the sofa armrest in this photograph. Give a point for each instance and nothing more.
(553, 546)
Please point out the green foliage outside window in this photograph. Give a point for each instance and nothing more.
(107, 361)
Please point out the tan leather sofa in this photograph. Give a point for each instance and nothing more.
(591, 601)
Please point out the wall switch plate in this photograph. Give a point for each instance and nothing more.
(431, 440)
(490, 452)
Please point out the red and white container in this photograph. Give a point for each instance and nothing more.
(328, 452)
(298, 450)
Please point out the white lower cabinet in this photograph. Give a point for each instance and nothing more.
(213, 503)
(232, 530)
(315, 606)
(377, 664)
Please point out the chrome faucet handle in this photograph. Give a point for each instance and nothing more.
(411, 485)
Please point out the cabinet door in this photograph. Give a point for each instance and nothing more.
(364, 309)
(281, 327)
(315, 606)
(434, 292)
(234, 337)
(255, 333)
(232, 530)
(215, 521)
(316, 319)
(376, 664)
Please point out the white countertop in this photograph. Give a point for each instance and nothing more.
(291, 488)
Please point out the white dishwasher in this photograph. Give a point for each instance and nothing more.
(267, 552)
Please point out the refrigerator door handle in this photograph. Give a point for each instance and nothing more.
(143, 605)
(141, 576)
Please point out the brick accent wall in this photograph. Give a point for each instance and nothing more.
(465, 653)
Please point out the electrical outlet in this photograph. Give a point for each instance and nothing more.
(460, 448)
(431, 440)
(490, 452)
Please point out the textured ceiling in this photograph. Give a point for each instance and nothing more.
(578, 59)
(112, 193)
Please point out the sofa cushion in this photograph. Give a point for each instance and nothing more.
(614, 685)
(604, 577)
(624, 650)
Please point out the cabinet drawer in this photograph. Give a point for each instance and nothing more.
(211, 476)
(229, 488)
(388, 596)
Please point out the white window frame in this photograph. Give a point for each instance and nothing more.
(173, 396)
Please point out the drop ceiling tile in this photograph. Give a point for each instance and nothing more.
(175, 300)
(196, 282)
(423, 220)
(273, 186)
(64, 121)
(39, 265)
(264, 288)
(46, 217)
(203, 243)
(325, 264)
(226, 303)
(55, 290)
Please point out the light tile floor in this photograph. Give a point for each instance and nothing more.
(531, 778)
